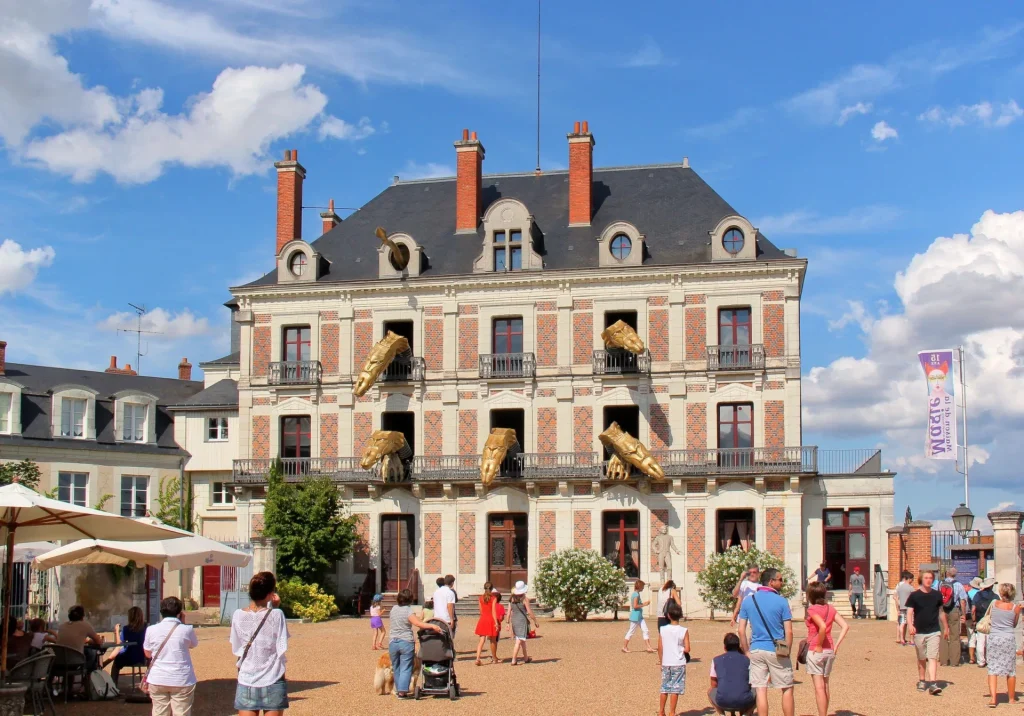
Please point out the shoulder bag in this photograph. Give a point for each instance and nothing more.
(984, 625)
(781, 647)
(253, 637)
(144, 686)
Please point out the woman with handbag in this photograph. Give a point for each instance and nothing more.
(821, 649)
(1000, 622)
(170, 679)
(667, 594)
(259, 638)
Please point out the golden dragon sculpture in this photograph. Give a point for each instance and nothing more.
(381, 355)
(387, 447)
(499, 443)
(399, 259)
(621, 335)
(627, 450)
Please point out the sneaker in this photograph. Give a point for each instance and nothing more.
(922, 686)
(934, 689)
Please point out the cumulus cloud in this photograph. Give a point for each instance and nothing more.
(983, 114)
(428, 170)
(333, 128)
(162, 324)
(852, 111)
(882, 131)
(18, 267)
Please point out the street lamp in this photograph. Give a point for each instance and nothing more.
(963, 520)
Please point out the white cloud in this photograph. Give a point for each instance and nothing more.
(985, 114)
(715, 130)
(882, 131)
(161, 324)
(852, 111)
(18, 267)
(649, 54)
(333, 128)
(856, 314)
(963, 290)
(231, 126)
(428, 170)
(855, 221)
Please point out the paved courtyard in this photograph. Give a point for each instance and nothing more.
(577, 669)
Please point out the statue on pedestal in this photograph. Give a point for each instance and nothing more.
(662, 547)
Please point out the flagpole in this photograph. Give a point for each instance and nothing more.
(967, 460)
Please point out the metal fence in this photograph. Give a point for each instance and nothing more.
(294, 372)
(234, 583)
(850, 461)
(749, 357)
(618, 361)
(943, 542)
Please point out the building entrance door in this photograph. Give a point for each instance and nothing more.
(846, 545)
(507, 541)
(396, 551)
(211, 586)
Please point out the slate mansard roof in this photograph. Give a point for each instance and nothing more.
(222, 394)
(37, 384)
(670, 204)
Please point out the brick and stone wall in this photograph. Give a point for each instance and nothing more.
(775, 531)
(773, 326)
(261, 436)
(261, 343)
(362, 342)
(468, 433)
(329, 334)
(328, 435)
(547, 339)
(661, 437)
(695, 544)
(583, 331)
(433, 343)
(658, 331)
(467, 542)
(696, 327)
(362, 428)
(432, 543)
(581, 536)
(774, 423)
(583, 428)
(433, 432)
(696, 426)
(469, 327)
(548, 523)
(547, 430)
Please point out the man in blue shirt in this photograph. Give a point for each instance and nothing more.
(770, 621)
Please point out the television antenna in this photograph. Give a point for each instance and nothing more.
(140, 312)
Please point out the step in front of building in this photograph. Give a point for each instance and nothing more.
(840, 599)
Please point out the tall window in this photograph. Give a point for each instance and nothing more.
(736, 426)
(295, 432)
(508, 250)
(216, 429)
(222, 494)
(508, 335)
(72, 417)
(734, 327)
(621, 541)
(134, 495)
(134, 427)
(296, 343)
(5, 412)
(71, 487)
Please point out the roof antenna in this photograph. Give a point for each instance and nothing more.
(141, 311)
(538, 87)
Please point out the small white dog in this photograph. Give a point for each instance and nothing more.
(384, 676)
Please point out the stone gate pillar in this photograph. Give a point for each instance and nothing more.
(264, 555)
(1006, 536)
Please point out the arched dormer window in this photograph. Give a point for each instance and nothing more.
(620, 244)
(409, 251)
(10, 407)
(134, 417)
(733, 239)
(511, 239)
(298, 263)
(73, 412)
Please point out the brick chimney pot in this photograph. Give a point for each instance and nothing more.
(469, 154)
(581, 175)
(289, 198)
(184, 370)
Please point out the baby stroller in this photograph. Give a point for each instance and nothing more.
(437, 657)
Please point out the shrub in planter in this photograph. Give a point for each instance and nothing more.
(717, 580)
(305, 601)
(579, 581)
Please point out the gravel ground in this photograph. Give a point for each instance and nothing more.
(577, 669)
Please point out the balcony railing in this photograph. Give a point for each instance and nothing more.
(507, 365)
(850, 461)
(619, 362)
(768, 460)
(294, 468)
(404, 369)
(446, 467)
(749, 357)
(295, 372)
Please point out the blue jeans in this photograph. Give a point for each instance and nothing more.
(402, 654)
(857, 604)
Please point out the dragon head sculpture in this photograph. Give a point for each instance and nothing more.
(499, 443)
(387, 447)
(399, 257)
(621, 335)
(381, 355)
(627, 450)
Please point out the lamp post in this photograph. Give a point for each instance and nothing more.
(963, 520)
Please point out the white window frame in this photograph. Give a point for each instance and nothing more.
(70, 391)
(133, 425)
(70, 427)
(72, 487)
(227, 494)
(134, 495)
(128, 403)
(6, 400)
(220, 426)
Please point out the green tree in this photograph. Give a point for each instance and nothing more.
(717, 580)
(580, 581)
(171, 508)
(26, 470)
(310, 525)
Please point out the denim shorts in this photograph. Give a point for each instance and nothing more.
(262, 698)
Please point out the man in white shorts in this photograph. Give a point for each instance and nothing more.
(771, 622)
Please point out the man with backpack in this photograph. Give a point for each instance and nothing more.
(954, 604)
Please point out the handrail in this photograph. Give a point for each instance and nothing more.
(770, 460)
(743, 357)
(507, 365)
(294, 372)
(404, 369)
(617, 362)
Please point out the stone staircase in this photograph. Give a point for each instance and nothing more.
(840, 599)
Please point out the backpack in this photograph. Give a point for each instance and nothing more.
(101, 687)
(948, 595)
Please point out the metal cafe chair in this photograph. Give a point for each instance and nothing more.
(36, 670)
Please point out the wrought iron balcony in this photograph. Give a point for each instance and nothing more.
(404, 369)
(543, 466)
(507, 365)
(768, 460)
(750, 357)
(295, 372)
(527, 466)
(620, 362)
(295, 468)
(446, 467)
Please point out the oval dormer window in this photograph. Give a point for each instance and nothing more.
(298, 263)
(733, 241)
(621, 246)
(401, 262)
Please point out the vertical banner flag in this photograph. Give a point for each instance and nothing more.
(940, 442)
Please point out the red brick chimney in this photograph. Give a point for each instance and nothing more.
(184, 370)
(581, 175)
(469, 155)
(3, 357)
(127, 370)
(330, 218)
(289, 198)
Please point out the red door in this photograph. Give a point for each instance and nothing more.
(211, 586)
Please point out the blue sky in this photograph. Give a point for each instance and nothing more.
(136, 138)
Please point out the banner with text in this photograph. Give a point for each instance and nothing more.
(940, 442)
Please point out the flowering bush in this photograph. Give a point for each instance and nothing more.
(717, 580)
(305, 601)
(579, 581)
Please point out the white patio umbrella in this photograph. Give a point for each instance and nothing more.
(182, 552)
(27, 516)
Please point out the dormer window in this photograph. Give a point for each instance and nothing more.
(134, 420)
(508, 250)
(5, 412)
(134, 424)
(298, 263)
(511, 242)
(621, 246)
(72, 417)
(733, 241)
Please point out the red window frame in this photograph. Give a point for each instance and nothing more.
(294, 338)
(735, 423)
(509, 332)
(622, 532)
(293, 429)
(733, 326)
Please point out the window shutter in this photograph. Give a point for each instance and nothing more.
(119, 421)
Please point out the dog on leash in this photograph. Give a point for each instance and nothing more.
(384, 676)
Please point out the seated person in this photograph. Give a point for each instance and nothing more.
(18, 643)
(132, 635)
(77, 634)
(730, 680)
(41, 635)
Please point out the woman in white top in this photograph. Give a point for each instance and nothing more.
(259, 638)
(170, 676)
(668, 591)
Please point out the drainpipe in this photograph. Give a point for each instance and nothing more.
(181, 518)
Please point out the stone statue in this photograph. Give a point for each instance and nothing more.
(627, 450)
(387, 447)
(621, 335)
(381, 355)
(662, 547)
(399, 259)
(500, 442)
